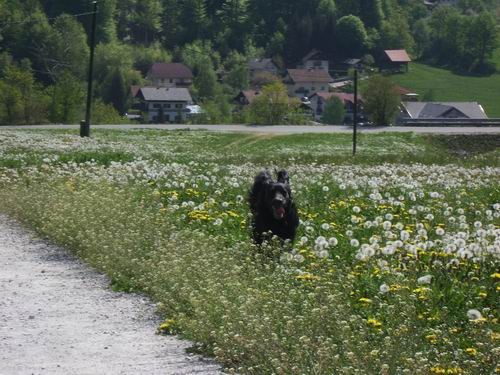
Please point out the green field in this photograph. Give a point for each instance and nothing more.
(394, 269)
(451, 87)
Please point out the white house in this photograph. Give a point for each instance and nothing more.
(305, 82)
(163, 104)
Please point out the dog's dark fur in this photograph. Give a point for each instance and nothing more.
(272, 207)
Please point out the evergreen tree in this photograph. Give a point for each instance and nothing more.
(195, 15)
(116, 92)
(371, 13)
(206, 80)
(146, 20)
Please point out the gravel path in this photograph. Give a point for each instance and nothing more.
(58, 316)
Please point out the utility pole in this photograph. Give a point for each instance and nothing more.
(355, 113)
(85, 125)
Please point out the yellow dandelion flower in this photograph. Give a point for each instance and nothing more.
(372, 322)
(432, 338)
(307, 277)
(365, 300)
(496, 275)
(471, 351)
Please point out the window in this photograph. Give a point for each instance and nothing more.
(178, 105)
(166, 105)
(156, 105)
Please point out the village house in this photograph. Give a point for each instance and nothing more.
(169, 75)
(305, 82)
(319, 99)
(314, 60)
(259, 66)
(163, 104)
(442, 111)
(396, 60)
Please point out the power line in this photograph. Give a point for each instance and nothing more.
(33, 20)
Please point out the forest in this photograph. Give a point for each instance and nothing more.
(44, 45)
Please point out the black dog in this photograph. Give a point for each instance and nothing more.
(272, 207)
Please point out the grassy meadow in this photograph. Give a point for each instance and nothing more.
(449, 86)
(395, 269)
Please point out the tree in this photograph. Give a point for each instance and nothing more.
(371, 13)
(351, 35)
(21, 97)
(395, 34)
(237, 71)
(381, 100)
(206, 80)
(146, 20)
(483, 37)
(194, 14)
(67, 99)
(273, 105)
(421, 34)
(116, 92)
(334, 111)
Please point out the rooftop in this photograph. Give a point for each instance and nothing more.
(305, 75)
(397, 55)
(169, 70)
(163, 94)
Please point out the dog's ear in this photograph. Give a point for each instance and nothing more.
(283, 177)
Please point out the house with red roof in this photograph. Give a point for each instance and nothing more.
(319, 100)
(305, 82)
(169, 75)
(396, 60)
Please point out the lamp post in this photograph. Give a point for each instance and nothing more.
(85, 125)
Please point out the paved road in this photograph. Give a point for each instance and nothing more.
(283, 129)
(58, 317)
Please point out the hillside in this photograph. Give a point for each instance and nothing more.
(448, 86)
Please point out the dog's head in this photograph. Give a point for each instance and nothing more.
(277, 196)
(278, 199)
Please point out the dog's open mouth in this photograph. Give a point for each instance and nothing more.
(279, 212)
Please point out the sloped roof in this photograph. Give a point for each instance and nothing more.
(169, 70)
(305, 75)
(134, 90)
(397, 55)
(164, 94)
(261, 64)
(433, 110)
(341, 95)
(313, 53)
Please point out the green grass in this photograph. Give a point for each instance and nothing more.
(450, 87)
(175, 225)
